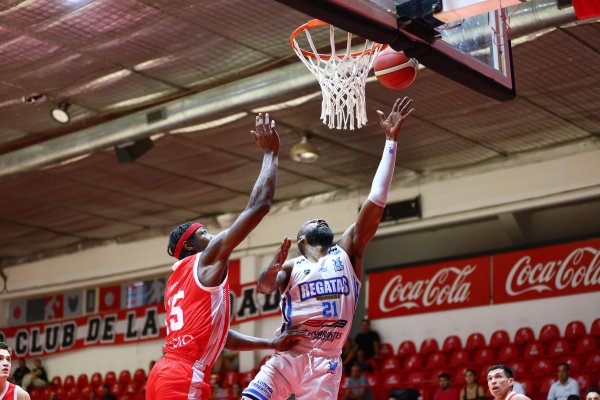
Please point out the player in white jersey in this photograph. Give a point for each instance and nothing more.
(320, 289)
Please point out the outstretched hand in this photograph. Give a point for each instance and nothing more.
(282, 253)
(289, 339)
(392, 123)
(265, 134)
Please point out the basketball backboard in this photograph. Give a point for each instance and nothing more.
(464, 40)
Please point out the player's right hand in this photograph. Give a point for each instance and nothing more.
(282, 253)
(289, 339)
(392, 123)
(265, 134)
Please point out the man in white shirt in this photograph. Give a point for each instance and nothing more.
(565, 386)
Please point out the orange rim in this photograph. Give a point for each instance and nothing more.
(313, 23)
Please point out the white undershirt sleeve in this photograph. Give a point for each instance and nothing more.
(383, 177)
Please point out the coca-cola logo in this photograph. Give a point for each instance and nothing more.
(447, 286)
(581, 267)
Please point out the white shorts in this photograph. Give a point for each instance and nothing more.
(307, 376)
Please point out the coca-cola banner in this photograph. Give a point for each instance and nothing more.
(442, 286)
(546, 271)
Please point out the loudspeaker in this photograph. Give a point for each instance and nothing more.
(402, 210)
(131, 152)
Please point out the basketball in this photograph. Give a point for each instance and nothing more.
(394, 69)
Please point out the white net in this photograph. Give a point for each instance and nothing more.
(342, 79)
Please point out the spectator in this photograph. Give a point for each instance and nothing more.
(592, 394)
(368, 340)
(20, 372)
(364, 364)
(151, 365)
(573, 397)
(518, 388)
(106, 393)
(37, 377)
(93, 395)
(218, 392)
(472, 390)
(53, 395)
(565, 385)
(445, 392)
(357, 385)
(348, 355)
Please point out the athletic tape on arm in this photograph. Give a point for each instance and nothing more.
(383, 177)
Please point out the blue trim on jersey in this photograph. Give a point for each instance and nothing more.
(355, 293)
(288, 316)
(253, 394)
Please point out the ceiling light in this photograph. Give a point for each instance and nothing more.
(61, 113)
(304, 152)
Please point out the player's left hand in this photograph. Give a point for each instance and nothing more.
(282, 253)
(392, 123)
(289, 339)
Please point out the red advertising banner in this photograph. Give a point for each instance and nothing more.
(546, 272)
(436, 287)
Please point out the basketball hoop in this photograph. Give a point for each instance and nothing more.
(341, 77)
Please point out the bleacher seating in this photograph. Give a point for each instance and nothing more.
(452, 344)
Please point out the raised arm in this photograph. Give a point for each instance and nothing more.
(259, 204)
(267, 278)
(356, 238)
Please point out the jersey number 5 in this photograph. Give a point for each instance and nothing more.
(176, 321)
(330, 309)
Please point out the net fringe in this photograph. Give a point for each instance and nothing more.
(342, 80)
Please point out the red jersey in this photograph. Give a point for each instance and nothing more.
(10, 392)
(197, 316)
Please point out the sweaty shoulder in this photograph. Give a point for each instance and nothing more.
(520, 397)
(22, 394)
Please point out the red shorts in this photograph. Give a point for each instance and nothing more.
(172, 379)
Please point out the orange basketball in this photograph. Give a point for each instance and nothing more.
(394, 69)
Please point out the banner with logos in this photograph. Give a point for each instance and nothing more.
(537, 273)
(442, 286)
(123, 326)
(546, 272)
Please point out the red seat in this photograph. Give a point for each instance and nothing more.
(459, 375)
(74, 393)
(483, 356)
(372, 379)
(69, 383)
(96, 380)
(406, 349)
(528, 387)
(523, 336)
(412, 362)
(386, 349)
(246, 378)
(110, 378)
(115, 389)
(124, 377)
(575, 330)
(595, 329)
(415, 380)
(533, 350)
(475, 341)
(545, 385)
(585, 344)
(507, 353)
(390, 364)
(57, 381)
(451, 344)
(139, 376)
(592, 363)
(436, 360)
(429, 346)
(559, 348)
(82, 381)
(541, 367)
(85, 391)
(231, 378)
(391, 380)
(574, 363)
(549, 333)
(519, 368)
(584, 380)
(499, 338)
(459, 358)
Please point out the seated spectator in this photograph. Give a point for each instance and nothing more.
(471, 390)
(106, 393)
(348, 355)
(368, 340)
(364, 364)
(404, 394)
(53, 395)
(93, 395)
(592, 394)
(357, 386)
(561, 389)
(20, 372)
(445, 392)
(37, 377)
(518, 388)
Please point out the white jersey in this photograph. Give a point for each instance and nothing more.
(321, 297)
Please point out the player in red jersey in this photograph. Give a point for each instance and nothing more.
(8, 391)
(197, 292)
(500, 382)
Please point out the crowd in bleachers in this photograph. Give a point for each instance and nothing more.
(388, 371)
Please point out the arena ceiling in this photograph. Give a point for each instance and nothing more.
(111, 58)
